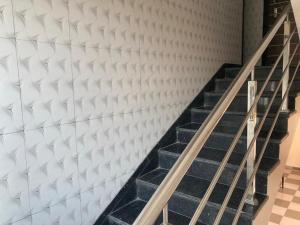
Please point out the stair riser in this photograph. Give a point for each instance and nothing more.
(222, 85)
(207, 170)
(240, 103)
(235, 121)
(222, 142)
(187, 206)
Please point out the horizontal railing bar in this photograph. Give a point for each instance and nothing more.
(257, 132)
(242, 202)
(166, 189)
(234, 143)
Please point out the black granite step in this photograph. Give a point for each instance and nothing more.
(221, 139)
(208, 161)
(222, 84)
(128, 213)
(189, 193)
(235, 118)
(240, 102)
(261, 72)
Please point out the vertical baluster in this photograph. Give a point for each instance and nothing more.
(166, 216)
(252, 89)
(286, 58)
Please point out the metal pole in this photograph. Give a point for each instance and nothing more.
(252, 89)
(165, 216)
(286, 57)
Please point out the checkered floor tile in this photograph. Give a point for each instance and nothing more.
(286, 210)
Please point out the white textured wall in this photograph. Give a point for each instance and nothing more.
(253, 26)
(294, 147)
(88, 87)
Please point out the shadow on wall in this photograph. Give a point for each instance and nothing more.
(294, 131)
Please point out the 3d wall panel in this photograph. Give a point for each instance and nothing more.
(88, 87)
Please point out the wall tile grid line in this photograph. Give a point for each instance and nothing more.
(88, 87)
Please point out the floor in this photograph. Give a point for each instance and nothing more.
(286, 210)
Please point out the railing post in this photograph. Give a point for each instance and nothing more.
(251, 123)
(166, 216)
(286, 58)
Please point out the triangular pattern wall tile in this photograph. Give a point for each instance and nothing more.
(52, 165)
(89, 23)
(46, 83)
(42, 20)
(66, 212)
(14, 196)
(96, 149)
(88, 87)
(93, 82)
(6, 19)
(10, 102)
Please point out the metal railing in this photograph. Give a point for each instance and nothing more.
(159, 201)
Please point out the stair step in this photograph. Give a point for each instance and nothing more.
(208, 161)
(222, 84)
(127, 215)
(240, 102)
(226, 131)
(216, 156)
(261, 72)
(240, 113)
(221, 139)
(189, 193)
(198, 115)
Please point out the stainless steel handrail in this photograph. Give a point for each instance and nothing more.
(257, 132)
(235, 141)
(242, 202)
(162, 195)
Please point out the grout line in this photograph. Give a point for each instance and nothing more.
(81, 121)
(74, 112)
(22, 113)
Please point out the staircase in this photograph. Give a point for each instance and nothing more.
(223, 158)
(193, 186)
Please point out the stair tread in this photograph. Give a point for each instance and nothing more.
(208, 109)
(217, 155)
(130, 212)
(193, 127)
(195, 188)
